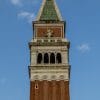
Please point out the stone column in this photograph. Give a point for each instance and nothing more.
(33, 58)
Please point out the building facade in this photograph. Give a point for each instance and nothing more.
(49, 69)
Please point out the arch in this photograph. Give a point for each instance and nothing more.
(58, 58)
(52, 58)
(53, 77)
(36, 77)
(46, 58)
(61, 77)
(44, 77)
(39, 58)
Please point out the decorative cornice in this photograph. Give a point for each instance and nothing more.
(50, 66)
(49, 44)
(49, 73)
(49, 78)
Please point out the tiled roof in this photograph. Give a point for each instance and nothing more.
(49, 11)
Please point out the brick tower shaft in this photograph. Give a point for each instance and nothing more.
(49, 68)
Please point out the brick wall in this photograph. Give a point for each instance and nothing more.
(49, 90)
(42, 31)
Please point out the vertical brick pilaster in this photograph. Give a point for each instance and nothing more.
(67, 95)
(40, 90)
(36, 90)
(50, 90)
(45, 90)
(58, 92)
(62, 87)
(54, 94)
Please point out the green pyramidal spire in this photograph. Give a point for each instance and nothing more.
(49, 11)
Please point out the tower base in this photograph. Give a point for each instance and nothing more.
(49, 90)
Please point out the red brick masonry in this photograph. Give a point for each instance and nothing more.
(42, 31)
(49, 90)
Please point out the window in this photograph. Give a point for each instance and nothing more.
(46, 58)
(52, 58)
(58, 58)
(39, 58)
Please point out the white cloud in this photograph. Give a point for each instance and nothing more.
(23, 2)
(84, 47)
(27, 15)
(16, 2)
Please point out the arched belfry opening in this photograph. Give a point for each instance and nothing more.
(39, 58)
(46, 58)
(58, 58)
(52, 58)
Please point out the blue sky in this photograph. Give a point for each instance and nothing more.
(83, 31)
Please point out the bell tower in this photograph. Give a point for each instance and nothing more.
(49, 68)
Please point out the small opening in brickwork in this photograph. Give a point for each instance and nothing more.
(36, 86)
